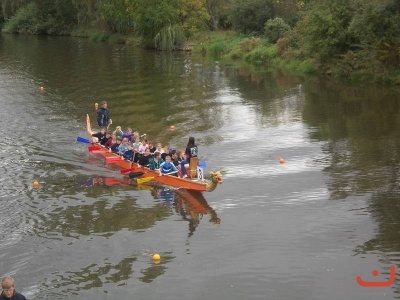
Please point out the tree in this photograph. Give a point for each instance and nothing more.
(249, 16)
(156, 17)
(193, 15)
(275, 28)
(113, 14)
(376, 28)
(322, 30)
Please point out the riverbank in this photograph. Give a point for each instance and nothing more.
(258, 51)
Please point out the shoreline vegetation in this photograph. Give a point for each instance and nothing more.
(351, 39)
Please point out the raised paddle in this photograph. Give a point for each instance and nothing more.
(82, 140)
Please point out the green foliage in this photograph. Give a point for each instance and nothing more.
(56, 16)
(274, 29)
(239, 49)
(152, 16)
(322, 30)
(115, 17)
(42, 17)
(353, 38)
(376, 28)
(249, 16)
(262, 55)
(169, 37)
(10, 7)
(217, 47)
(24, 21)
(193, 16)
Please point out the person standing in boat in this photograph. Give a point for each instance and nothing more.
(103, 115)
(191, 151)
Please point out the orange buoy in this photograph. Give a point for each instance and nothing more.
(172, 127)
(281, 160)
(35, 184)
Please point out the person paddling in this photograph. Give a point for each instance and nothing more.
(168, 167)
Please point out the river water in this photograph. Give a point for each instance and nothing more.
(302, 229)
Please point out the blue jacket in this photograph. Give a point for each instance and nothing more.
(166, 168)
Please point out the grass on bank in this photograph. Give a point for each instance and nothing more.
(259, 51)
(253, 50)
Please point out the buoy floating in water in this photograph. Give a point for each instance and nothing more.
(41, 88)
(35, 184)
(281, 161)
(172, 127)
(156, 257)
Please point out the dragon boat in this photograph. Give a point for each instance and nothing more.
(148, 176)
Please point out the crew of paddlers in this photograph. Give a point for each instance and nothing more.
(132, 146)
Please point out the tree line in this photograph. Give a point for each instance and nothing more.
(349, 35)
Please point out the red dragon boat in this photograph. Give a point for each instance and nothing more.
(151, 176)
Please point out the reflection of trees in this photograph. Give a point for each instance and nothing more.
(361, 127)
(191, 205)
(93, 276)
(157, 269)
(100, 217)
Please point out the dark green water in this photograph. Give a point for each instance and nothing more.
(304, 229)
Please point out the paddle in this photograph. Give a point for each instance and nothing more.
(112, 159)
(82, 140)
(146, 179)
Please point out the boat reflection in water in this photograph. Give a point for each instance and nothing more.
(189, 204)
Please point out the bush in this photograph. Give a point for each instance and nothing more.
(274, 29)
(262, 55)
(249, 44)
(249, 16)
(24, 21)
